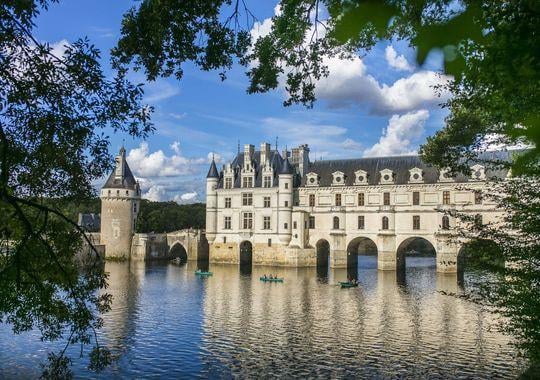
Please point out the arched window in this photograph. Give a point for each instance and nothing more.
(336, 223)
(478, 220)
(445, 222)
(384, 222)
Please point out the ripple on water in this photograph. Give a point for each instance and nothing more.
(166, 322)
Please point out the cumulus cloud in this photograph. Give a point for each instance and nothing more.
(398, 62)
(158, 164)
(349, 84)
(189, 197)
(155, 193)
(400, 135)
(214, 156)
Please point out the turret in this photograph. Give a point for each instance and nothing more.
(285, 175)
(212, 179)
(120, 202)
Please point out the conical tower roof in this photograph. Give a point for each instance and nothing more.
(213, 172)
(286, 167)
(126, 180)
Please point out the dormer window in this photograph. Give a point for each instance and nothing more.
(247, 181)
(444, 175)
(312, 179)
(387, 176)
(416, 175)
(338, 178)
(361, 177)
(478, 173)
(267, 181)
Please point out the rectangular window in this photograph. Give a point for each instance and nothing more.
(286, 203)
(224, 239)
(361, 222)
(477, 198)
(247, 221)
(227, 202)
(266, 222)
(361, 199)
(269, 242)
(247, 182)
(416, 198)
(446, 197)
(227, 223)
(247, 199)
(286, 226)
(266, 202)
(311, 222)
(338, 199)
(228, 183)
(135, 207)
(286, 185)
(294, 225)
(416, 222)
(267, 182)
(311, 200)
(386, 199)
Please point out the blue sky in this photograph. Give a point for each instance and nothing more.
(379, 104)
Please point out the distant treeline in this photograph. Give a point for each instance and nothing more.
(170, 216)
(153, 216)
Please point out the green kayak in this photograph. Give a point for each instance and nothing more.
(266, 279)
(348, 284)
(201, 273)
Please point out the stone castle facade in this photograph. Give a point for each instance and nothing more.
(272, 208)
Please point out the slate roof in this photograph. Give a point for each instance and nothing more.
(128, 182)
(400, 165)
(90, 222)
(212, 172)
(286, 167)
(276, 161)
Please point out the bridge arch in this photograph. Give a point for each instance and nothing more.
(178, 251)
(322, 249)
(415, 245)
(246, 253)
(360, 246)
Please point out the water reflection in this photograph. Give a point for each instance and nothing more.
(167, 322)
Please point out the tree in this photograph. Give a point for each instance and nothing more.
(489, 46)
(55, 114)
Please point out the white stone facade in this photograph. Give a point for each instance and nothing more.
(391, 201)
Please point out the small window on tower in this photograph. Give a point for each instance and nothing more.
(286, 185)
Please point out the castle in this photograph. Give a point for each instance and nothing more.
(267, 208)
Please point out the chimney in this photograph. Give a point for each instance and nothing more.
(265, 153)
(249, 150)
(300, 158)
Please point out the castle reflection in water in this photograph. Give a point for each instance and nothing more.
(167, 321)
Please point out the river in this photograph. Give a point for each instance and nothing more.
(168, 323)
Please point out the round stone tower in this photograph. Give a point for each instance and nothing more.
(120, 202)
(212, 179)
(285, 175)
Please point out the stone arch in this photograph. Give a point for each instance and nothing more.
(360, 246)
(246, 253)
(178, 251)
(414, 245)
(322, 249)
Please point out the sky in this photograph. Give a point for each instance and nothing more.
(378, 104)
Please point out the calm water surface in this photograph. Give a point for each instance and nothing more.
(168, 323)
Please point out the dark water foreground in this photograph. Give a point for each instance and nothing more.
(167, 323)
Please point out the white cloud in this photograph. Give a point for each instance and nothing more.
(189, 197)
(400, 135)
(155, 193)
(178, 116)
(218, 158)
(398, 62)
(349, 84)
(351, 144)
(158, 164)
